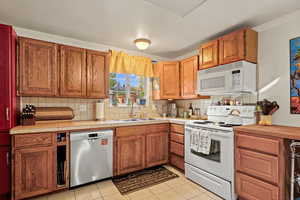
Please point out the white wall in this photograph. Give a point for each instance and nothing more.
(274, 66)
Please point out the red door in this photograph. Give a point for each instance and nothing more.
(8, 102)
(7, 78)
(5, 170)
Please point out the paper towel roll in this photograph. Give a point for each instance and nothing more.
(100, 111)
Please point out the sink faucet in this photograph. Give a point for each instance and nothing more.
(131, 114)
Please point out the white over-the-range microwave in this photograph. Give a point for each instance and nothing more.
(234, 78)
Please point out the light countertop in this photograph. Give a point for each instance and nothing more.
(78, 125)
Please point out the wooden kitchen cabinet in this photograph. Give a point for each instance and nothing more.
(177, 146)
(131, 154)
(73, 75)
(265, 179)
(97, 74)
(209, 55)
(139, 147)
(188, 77)
(170, 80)
(238, 45)
(156, 148)
(33, 171)
(38, 68)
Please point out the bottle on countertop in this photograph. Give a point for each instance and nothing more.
(191, 110)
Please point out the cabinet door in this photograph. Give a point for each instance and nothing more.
(188, 77)
(232, 47)
(4, 171)
(72, 72)
(170, 80)
(130, 153)
(208, 55)
(156, 149)
(33, 171)
(97, 74)
(38, 68)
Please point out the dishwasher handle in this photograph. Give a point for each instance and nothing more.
(91, 135)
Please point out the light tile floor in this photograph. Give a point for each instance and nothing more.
(175, 189)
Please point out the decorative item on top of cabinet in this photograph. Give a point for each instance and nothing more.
(72, 71)
(238, 45)
(97, 74)
(170, 80)
(38, 68)
(209, 55)
(188, 77)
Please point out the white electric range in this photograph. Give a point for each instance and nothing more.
(215, 170)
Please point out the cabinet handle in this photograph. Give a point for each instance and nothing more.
(7, 158)
(7, 113)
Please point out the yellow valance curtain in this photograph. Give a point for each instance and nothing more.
(123, 63)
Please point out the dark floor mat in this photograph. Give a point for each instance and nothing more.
(142, 179)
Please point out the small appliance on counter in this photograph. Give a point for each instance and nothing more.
(100, 111)
(172, 110)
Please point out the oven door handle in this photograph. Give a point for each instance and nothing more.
(215, 133)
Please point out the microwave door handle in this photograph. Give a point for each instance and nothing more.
(228, 83)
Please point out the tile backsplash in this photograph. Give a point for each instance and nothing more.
(84, 109)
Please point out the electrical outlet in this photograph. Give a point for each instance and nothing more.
(82, 108)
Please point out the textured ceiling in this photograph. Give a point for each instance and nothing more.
(119, 22)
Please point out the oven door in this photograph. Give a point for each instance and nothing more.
(220, 159)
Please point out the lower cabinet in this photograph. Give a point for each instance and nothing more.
(156, 148)
(38, 166)
(177, 146)
(260, 167)
(34, 169)
(139, 147)
(131, 154)
(4, 171)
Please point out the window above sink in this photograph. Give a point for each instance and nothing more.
(125, 89)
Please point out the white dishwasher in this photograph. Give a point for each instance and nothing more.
(91, 156)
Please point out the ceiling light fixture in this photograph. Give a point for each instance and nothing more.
(142, 43)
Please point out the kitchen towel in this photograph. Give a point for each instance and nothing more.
(204, 142)
(194, 139)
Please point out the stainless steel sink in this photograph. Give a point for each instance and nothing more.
(137, 119)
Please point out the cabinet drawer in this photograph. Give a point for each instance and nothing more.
(177, 148)
(39, 139)
(177, 128)
(253, 189)
(259, 165)
(177, 161)
(130, 131)
(175, 137)
(158, 128)
(266, 145)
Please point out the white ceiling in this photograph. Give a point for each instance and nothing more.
(173, 29)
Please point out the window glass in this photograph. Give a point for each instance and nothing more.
(125, 89)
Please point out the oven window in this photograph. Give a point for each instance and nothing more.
(214, 154)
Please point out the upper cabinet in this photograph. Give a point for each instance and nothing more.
(208, 54)
(97, 74)
(188, 77)
(72, 72)
(235, 46)
(170, 80)
(38, 69)
(178, 79)
(238, 45)
(48, 69)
